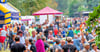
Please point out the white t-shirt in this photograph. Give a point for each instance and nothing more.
(94, 51)
(3, 33)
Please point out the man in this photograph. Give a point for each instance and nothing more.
(23, 27)
(51, 27)
(69, 47)
(10, 35)
(31, 29)
(62, 43)
(46, 32)
(56, 47)
(39, 29)
(59, 35)
(45, 43)
(18, 47)
(86, 48)
(34, 36)
(55, 31)
(50, 36)
(94, 48)
(41, 34)
(22, 40)
(27, 45)
(76, 42)
(76, 31)
(32, 48)
(70, 33)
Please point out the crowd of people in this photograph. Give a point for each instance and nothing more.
(60, 36)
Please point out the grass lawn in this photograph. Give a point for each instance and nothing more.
(7, 50)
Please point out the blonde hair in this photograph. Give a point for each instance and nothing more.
(38, 37)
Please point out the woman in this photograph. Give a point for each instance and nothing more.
(94, 48)
(15, 30)
(39, 45)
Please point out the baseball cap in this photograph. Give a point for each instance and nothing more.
(69, 38)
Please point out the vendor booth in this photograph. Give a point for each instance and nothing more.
(46, 14)
(27, 20)
(8, 12)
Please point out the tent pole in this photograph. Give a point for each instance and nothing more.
(48, 18)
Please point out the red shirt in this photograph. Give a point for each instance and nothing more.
(56, 31)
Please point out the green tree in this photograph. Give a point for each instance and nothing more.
(27, 7)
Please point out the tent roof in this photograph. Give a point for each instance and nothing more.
(47, 11)
(10, 7)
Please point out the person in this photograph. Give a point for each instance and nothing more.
(69, 47)
(55, 31)
(94, 48)
(76, 31)
(17, 27)
(56, 47)
(10, 35)
(76, 42)
(70, 33)
(27, 45)
(50, 36)
(34, 36)
(39, 45)
(32, 48)
(59, 35)
(39, 29)
(18, 47)
(22, 40)
(31, 29)
(51, 27)
(62, 43)
(0, 43)
(86, 48)
(46, 32)
(15, 30)
(4, 34)
(46, 45)
(23, 27)
(26, 33)
(41, 34)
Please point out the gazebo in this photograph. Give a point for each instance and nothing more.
(47, 11)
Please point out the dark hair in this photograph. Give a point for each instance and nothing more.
(57, 41)
(17, 39)
(20, 32)
(31, 41)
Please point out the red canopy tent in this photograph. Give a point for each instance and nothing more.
(47, 11)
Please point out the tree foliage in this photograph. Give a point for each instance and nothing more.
(27, 7)
(92, 22)
(69, 7)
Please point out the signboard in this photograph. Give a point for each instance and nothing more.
(15, 15)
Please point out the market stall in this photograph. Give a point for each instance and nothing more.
(8, 12)
(47, 11)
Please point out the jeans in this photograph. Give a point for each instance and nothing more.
(4, 45)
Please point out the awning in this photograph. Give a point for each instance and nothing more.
(47, 11)
(15, 13)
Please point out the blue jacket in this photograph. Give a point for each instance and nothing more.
(70, 34)
(77, 43)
